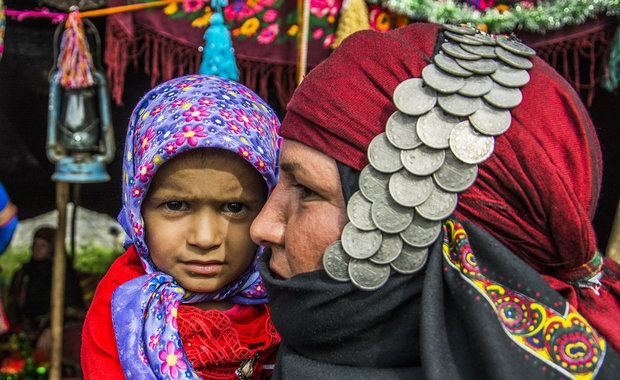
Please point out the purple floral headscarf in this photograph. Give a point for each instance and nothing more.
(195, 111)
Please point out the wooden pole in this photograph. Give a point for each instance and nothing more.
(303, 7)
(58, 280)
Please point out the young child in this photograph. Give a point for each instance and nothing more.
(186, 301)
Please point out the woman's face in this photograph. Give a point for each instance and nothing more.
(305, 213)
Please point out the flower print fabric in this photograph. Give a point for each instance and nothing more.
(195, 111)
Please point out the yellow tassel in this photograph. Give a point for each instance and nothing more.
(354, 18)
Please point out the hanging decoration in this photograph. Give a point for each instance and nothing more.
(218, 53)
(354, 17)
(2, 25)
(611, 81)
(75, 63)
(531, 16)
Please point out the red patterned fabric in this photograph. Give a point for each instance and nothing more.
(236, 334)
(217, 342)
(536, 194)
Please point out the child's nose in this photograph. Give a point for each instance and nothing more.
(206, 231)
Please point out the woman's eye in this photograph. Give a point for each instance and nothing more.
(175, 205)
(234, 207)
(305, 192)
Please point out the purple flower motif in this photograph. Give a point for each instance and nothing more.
(260, 165)
(136, 191)
(196, 113)
(170, 148)
(154, 341)
(178, 103)
(245, 152)
(145, 171)
(144, 141)
(244, 118)
(171, 363)
(171, 313)
(137, 228)
(190, 134)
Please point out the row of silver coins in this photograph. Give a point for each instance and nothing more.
(444, 127)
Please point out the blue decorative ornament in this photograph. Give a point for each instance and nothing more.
(218, 56)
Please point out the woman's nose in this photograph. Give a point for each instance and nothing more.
(269, 225)
(206, 230)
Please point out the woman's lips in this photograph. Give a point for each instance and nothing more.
(204, 268)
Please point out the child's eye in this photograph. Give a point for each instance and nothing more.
(175, 205)
(234, 207)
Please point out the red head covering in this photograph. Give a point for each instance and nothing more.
(536, 194)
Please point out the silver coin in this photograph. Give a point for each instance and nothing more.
(485, 51)
(422, 160)
(336, 262)
(410, 260)
(373, 184)
(503, 97)
(440, 80)
(484, 38)
(434, 128)
(400, 130)
(409, 189)
(360, 244)
(456, 51)
(476, 85)
(455, 175)
(384, 156)
(481, 66)
(463, 38)
(509, 76)
(389, 216)
(358, 211)
(514, 60)
(459, 105)
(450, 65)
(490, 120)
(421, 232)
(389, 250)
(470, 146)
(413, 97)
(460, 29)
(367, 275)
(439, 205)
(515, 46)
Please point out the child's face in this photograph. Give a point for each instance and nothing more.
(197, 217)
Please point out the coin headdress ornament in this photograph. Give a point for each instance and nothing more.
(445, 125)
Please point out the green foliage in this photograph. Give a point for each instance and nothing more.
(538, 17)
(89, 258)
(94, 259)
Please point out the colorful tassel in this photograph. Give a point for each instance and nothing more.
(218, 56)
(612, 82)
(75, 63)
(354, 18)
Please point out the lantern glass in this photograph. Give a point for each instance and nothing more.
(79, 120)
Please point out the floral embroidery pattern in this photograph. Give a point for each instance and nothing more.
(562, 339)
(266, 21)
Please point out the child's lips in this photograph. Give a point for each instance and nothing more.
(204, 267)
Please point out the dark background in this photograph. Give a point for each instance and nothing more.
(25, 170)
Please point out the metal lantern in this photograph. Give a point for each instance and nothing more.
(84, 5)
(80, 139)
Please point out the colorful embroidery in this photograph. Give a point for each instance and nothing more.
(564, 341)
(265, 21)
